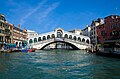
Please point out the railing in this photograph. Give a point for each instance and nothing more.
(61, 39)
(76, 41)
(43, 41)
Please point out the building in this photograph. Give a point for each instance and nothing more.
(100, 34)
(76, 31)
(112, 27)
(31, 34)
(9, 34)
(86, 31)
(112, 30)
(19, 36)
(93, 32)
(5, 31)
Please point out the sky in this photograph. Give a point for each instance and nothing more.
(46, 15)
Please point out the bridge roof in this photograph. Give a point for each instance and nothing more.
(30, 31)
(46, 33)
(76, 34)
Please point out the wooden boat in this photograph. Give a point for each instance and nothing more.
(9, 51)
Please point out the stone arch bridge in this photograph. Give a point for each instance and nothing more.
(59, 35)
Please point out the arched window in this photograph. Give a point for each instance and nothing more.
(48, 37)
(70, 37)
(53, 36)
(59, 33)
(44, 38)
(39, 39)
(30, 41)
(74, 38)
(83, 40)
(87, 41)
(66, 36)
(35, 40)
(79, 39)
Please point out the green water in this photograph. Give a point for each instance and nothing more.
(58, 64)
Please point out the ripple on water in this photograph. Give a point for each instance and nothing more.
(58, 64)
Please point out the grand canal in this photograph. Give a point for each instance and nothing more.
(58, 64)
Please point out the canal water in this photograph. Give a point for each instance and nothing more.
(58, 64)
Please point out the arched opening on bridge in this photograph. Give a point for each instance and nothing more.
(30, 41)
(66, 36)
(59, 33)
(53, 36)
(35, 40)
(83, 40)
(75, 38)
(70, 37)
(60, 45)
(39, 39)
(87, 41)
(79, 39)
(44, 38)
(48, 37)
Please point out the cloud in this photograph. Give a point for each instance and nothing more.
(41, 12)
(49, 9)
(44, 20)
(22, 21)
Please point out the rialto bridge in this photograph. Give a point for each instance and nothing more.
(59, 35)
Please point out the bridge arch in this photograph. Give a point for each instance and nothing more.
(48, 36)
(87, 41)
(75, 38)
(70, 36)
(35, 40)
(53, 36)
(44, 38)
(73, 46)
(83, 40)
(39, 39)
(79, 39)
(30, 41)
(66, 36)
(59, 33)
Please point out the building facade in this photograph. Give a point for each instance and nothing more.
(112, 27)
(9, 34)
(93, 32)
(112, 31)
(5, 31)
(19, 36)
(86, 31)
(100, 33)
(76, 31)
(31, 34)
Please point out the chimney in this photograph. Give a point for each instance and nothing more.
(19, 26)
